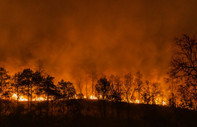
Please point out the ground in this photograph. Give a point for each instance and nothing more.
(94, 113)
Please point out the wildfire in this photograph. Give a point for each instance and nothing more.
(93, 97)
(22, 98)
(137, 101)
(158, 101)
(163, 103)
(39, 99)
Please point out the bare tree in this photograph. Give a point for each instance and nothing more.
(184, 62)
(118, 84)
(138, 81)
(16, 84)
(155, 91)
(146, 95)
(128, 85)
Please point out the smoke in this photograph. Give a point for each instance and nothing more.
(73, 38)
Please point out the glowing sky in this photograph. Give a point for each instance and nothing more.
(71, 38)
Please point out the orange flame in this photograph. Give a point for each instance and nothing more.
(22, 98)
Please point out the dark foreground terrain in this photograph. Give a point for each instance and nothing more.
(92, 113)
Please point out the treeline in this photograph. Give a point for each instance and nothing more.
(131, 88)
(33, 84)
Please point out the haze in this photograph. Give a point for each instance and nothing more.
(73, 38)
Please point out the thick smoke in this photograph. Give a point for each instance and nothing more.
(72, 39)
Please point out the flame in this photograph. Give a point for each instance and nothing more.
(14, 96)
(158, 101)
(137, 101)
(163, 103)
(93, 97)
(22, 98)
(39, 99)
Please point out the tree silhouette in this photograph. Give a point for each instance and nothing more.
(118, 85)
(67, 89)
(102, 87)
(25, 78)
(155, 91)
(184, 63)
(37, 80)
(146, 95)
(115, 96)
(4, 81)
(128, 85)
(49, 88)
(172, 90)
(16, 84)
(186, 100)
(138, 81)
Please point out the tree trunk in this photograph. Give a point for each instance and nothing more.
(31, 98)
(17, 94)
(28, 96)
(47, 104)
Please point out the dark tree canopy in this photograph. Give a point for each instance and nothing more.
(67, 89)
(4, 81)
(102, 87)
(49, 87)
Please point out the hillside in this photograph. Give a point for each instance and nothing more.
(89, 113)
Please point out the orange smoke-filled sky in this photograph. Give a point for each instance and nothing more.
(71, 38)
